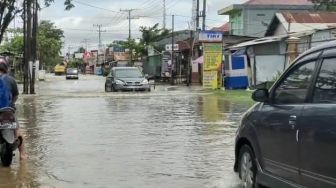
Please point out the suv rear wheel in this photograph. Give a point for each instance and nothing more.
(247, 167)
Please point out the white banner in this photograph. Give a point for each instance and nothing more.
(210, 36)
(169, 47)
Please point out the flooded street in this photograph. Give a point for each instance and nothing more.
(79, 136)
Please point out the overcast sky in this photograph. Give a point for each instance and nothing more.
(78, 24)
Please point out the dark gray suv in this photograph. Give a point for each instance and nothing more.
(288, 139)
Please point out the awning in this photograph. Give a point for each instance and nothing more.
(198, 60)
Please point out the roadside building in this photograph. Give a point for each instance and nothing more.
(158, 62)
(268, 57)
(322, 23)
(253, 17)
(288, 35)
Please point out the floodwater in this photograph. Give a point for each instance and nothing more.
(79, 136)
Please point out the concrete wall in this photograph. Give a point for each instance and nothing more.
(280, 30)
(236, 23)
(254, 22)
(267, 49)
(267, 61)
(320, 37)
(152, 66)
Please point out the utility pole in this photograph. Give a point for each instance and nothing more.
(197, 15)
(69, 51)
(129, 11)
(86, 42)
(190, 57)
(99, 33)
(27, 44)
(29, 41)
(204, 14)
(34, 46)
(25, 54)
(164, 14)
(100, 40)
(172, 54)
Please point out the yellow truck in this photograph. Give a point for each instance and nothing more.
(59, 69)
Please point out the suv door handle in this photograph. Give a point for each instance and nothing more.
(292, 121)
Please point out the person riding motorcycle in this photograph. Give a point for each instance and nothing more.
(15, 93)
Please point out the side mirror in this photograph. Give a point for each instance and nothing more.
(260, 95)
(146, 76)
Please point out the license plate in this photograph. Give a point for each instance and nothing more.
(8, 125)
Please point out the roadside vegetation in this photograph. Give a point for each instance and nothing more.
(237, 96)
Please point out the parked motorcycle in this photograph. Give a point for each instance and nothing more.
(8, 138)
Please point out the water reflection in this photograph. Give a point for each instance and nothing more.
(142, 141)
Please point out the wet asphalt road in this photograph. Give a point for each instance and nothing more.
(79, 136)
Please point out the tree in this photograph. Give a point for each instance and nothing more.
(80, 50)
(9, 9)
(49, 43)
(326, 5)
(152, 34)
(15, 46)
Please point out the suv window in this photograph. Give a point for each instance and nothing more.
(325, 87)
(294, 87)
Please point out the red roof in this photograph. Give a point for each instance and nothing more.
(306, 17)
(278, 2)
(185, 44)
(223, 28)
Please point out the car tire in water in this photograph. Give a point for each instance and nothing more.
(247, 168)
(113, 89)
(7, 155)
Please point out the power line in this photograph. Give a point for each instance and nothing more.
(150, 2)
(152, 5)
(108, 30)
(168, 6)
(116, 19)
(93, 6)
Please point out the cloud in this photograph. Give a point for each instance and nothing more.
(74, 21)
(78, 23)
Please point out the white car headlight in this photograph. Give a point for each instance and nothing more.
(120, 82)
(145, 81)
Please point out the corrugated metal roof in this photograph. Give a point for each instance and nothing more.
(301, 21)
(271, 39)
(279, 2)
(309, 17)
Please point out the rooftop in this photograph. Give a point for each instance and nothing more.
(270, 39)
(224, 28)
(275, 4)
(278, 2)
(310, 17)
(302, 21)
